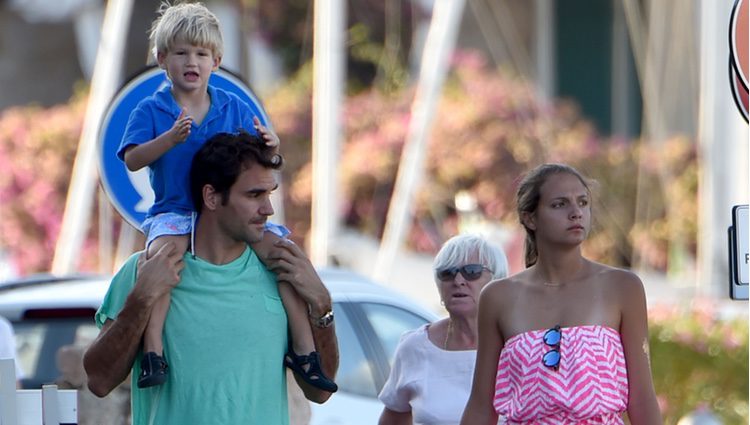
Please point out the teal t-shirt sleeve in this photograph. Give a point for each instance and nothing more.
(119, 289)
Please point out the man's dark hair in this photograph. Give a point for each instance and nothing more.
(223, 157)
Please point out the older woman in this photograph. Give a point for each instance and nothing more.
(433, 366)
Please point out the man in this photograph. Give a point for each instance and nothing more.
(226, 332)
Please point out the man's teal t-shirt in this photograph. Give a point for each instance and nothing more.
(224, 339)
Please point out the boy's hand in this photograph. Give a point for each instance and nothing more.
(181, 128)
(266, 134)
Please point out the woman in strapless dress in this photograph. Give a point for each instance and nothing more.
(566, 340)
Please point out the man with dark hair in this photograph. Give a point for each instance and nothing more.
(226, 331)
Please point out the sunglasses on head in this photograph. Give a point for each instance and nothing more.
(468, 271)
(552, 338)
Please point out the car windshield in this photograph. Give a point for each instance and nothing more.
(38, 342)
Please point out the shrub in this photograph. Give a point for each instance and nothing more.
(699, 358)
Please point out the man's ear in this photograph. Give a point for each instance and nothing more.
(211, 198)
(529, 220)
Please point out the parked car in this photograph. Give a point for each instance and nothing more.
(51, 312)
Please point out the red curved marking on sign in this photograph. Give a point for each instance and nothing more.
(739, 40)
(739, 92)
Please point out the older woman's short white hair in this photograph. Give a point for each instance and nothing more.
(457, 250)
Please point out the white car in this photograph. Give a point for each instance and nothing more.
(48, 313)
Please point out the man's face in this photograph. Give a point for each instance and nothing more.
(243, 218)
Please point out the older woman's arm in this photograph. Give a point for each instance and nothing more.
(643, 408)
(390, 417)
(479, 409)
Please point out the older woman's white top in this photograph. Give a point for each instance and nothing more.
(434, 384)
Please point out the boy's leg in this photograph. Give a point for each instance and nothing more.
(153, 365)
(299, 324)
(301, 357)
(152, 337)
(295, 306)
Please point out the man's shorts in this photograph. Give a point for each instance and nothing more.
(175, 224)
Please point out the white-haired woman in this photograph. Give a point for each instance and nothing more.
(433, 366)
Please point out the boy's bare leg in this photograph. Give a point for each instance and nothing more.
(152, 337)
(299, 324)
(295, 306)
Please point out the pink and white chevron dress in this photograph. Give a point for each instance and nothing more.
(590, 386)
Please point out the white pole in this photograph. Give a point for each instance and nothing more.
(446, 19)
(8, 410)
(328, 75)
(107, 72)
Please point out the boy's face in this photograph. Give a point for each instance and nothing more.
(188, 66)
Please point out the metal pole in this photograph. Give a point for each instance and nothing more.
(446, 19)
(107, 72)
(328, 76)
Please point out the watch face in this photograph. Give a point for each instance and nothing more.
(326, 320)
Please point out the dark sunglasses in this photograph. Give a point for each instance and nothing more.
(468, 271)
(552, 338)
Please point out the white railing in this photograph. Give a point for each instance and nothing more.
(48, 406)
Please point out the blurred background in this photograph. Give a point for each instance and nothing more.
(404, 122)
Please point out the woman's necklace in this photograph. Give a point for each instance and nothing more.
(448, 334)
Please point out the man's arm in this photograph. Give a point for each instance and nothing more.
(110, 357)
(292, 265)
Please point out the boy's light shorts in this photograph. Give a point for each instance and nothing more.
(174, 224)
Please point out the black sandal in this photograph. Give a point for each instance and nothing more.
(313, 375)
(154, 370)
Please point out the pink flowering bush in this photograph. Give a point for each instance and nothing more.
(489, 129)
(699, 358)
(37, 149)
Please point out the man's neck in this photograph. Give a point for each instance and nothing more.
(213, 248)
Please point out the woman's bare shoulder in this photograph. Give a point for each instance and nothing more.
(621, 280)
(503, 287)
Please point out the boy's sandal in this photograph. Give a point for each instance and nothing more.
(154, 370)
(313, 375)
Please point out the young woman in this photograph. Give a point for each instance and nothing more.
(566, 340)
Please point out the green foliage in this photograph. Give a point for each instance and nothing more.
(700, 359)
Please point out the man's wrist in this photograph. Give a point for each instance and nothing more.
(323, 321)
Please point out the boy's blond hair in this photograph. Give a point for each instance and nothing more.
(186, 22)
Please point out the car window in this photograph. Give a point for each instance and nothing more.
(355, 371)
(389, 323)
(38, 341)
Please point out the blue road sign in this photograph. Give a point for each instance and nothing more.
(130, 192)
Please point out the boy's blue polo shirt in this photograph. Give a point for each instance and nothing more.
(170, 175)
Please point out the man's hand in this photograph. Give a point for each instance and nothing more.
(159, 274)
(291, 265)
